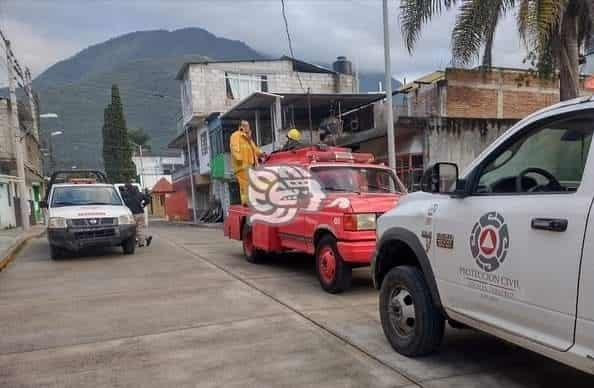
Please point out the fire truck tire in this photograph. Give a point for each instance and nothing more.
(412, 323)
(333, 273)
(252, 254)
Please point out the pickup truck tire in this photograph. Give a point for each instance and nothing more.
(333, 273)
(252, 254)
(411, 322)
(56, 252)
(129, 246)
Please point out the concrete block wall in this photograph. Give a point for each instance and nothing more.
(6, 139)
(209, 93)
(461, 140)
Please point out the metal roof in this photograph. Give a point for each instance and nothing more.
(262, 101)
(424, 80)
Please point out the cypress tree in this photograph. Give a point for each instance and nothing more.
(117, 150)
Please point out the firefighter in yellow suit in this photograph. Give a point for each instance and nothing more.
(244, 154)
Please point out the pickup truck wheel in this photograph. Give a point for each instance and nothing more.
(333, 273)
(411, 322)
(56, 252)
(129, 246)
(252, 254)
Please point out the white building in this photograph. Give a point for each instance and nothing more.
(151, 168)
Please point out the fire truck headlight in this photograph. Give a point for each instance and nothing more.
(362, 221)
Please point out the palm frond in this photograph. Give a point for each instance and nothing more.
(475, 27)
(415, 13)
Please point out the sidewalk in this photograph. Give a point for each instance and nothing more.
(12, 240)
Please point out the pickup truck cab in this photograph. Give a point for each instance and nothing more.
(341, 231)
(506, 248)
(83, 214)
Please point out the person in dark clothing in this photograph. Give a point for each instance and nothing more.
(136, 202)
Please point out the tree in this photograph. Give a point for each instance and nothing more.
(552, 30)
(117, 152)
(138, 137)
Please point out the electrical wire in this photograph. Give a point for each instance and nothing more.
(290, 41)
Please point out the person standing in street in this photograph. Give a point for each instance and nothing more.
(136, 201)
(244, 155)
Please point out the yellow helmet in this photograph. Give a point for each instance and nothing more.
(294, 134)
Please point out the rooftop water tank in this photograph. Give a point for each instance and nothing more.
(342, 65)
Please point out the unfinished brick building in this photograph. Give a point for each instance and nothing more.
(453, 115)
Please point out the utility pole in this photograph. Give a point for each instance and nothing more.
(194, 216)
(18, 140)
(141, 167)
(32, 102)
(389, 109)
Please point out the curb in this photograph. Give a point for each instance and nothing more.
(11, 252)
(217, 225)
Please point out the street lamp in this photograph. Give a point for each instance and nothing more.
(51, 151)
(49, 116)
(51, 134)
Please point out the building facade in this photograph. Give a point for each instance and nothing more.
(151, 168)
(10, 215)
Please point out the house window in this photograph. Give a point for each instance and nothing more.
(240, 86)
(203, 143)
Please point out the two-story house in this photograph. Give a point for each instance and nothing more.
(211, 88)
(9, 202)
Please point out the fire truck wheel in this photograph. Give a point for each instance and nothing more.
(334, 274)
(251, 253)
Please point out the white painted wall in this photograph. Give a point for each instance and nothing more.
(153, 168)
(7, 218)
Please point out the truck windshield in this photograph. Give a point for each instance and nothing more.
(85, 195)
(356, 179)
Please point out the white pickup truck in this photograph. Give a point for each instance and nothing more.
(507, 247)
(83, 213)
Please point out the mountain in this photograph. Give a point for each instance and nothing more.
(144, 65)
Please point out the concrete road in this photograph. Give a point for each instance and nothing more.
(189, 311)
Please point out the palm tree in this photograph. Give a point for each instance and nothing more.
(552, 30)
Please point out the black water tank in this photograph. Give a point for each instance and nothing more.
(342, 65)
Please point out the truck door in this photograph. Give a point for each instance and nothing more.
(509, 253)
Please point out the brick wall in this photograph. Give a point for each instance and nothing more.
(472, 93)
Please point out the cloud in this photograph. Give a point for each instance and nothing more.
(44, 32)
(34, 49)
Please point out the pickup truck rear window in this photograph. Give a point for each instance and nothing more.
(85, 195)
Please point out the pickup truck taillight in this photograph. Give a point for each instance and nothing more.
(356, 222)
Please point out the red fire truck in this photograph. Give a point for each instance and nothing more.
(341, 231)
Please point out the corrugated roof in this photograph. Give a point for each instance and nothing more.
(424, 80)
(262, 100)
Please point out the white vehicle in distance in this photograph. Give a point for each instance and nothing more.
(506, 248)
(83, 214)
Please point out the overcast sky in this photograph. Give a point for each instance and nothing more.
(44, 32)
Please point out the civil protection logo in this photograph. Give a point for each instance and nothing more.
(277, 193)
(489, 241)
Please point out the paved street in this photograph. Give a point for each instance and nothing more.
(189, 311)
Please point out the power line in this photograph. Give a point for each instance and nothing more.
(290, 41)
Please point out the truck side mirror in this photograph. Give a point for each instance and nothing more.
(441, 178)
